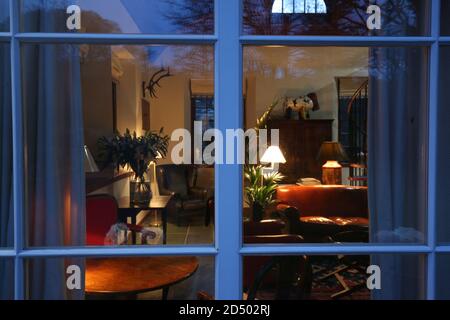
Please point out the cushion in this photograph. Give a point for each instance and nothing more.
(175, 177)
(195, 204)
(326, 201)
(340, 221)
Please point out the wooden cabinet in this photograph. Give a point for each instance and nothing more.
(300, 141)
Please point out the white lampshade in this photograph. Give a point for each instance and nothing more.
(273, 155)
(89, 162)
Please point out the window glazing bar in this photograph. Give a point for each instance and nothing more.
(337, 249)
(115, 38)
(119, 251)
(443, 249)
(337, 40)
(7, 253)
(4, 36)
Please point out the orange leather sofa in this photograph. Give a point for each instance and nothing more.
(322, 211)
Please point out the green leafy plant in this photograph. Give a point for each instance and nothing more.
(133, 152)
(260, 189)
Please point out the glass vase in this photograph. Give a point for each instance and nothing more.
(140, 192)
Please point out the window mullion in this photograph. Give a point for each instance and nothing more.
(18, 149)
(432, 148)
(228, 176)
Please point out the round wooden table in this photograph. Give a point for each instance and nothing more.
(130, 276)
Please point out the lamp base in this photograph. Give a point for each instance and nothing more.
(332, 173)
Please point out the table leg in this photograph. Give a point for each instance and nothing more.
(124, 214)
(164, 222)
(133, 233)
(165, 293)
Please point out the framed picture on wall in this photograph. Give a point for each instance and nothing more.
(145, 115)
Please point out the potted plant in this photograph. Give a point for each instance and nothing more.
(260, 189)
(136, 153)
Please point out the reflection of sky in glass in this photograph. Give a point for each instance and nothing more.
(4, 15)
(128, 16)
(340, 17)
(132, 16)
(150, 15)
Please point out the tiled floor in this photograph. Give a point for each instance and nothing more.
(191, 232)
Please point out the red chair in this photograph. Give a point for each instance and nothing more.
(102, 213)
(286, 277)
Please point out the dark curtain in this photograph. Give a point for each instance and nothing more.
(443, 149)
(397, 163)
(54, 152)
(6, 186)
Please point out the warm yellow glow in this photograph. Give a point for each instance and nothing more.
(332, 164)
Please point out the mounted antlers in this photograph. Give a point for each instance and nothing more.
(153, 83)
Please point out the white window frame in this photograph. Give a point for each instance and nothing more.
(228, 248)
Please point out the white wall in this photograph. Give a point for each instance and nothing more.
(172, 109)
(96, 80)
(129, 108)
(274, 72)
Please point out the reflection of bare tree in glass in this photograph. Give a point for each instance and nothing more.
(343, 17)
(259, 19)
(4, 16)
(51, 16)
(195, 61)
(192, 16)
(261, 62)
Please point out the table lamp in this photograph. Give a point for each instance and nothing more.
(89, 163)
(273, 155)
(154, 182)
(331, 153)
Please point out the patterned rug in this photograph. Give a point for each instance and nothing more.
(324, 287)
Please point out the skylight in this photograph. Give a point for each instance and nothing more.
(299, 6)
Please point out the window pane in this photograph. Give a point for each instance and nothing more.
(6, 279)
(442, 277)
(351, 277)
(6, 150)
(445, 23)
(120, 16)
(78, 169)
(443, 149)
(348, 132)
(4, 15)
(134, 278)
(330, 17)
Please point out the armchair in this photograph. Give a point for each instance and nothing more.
(102, 220)
(277, 277)
(286, 277)
(179, 181)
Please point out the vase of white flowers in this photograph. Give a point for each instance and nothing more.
(136, 153)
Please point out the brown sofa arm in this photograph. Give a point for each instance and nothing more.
(264, 227)
(292, 217)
